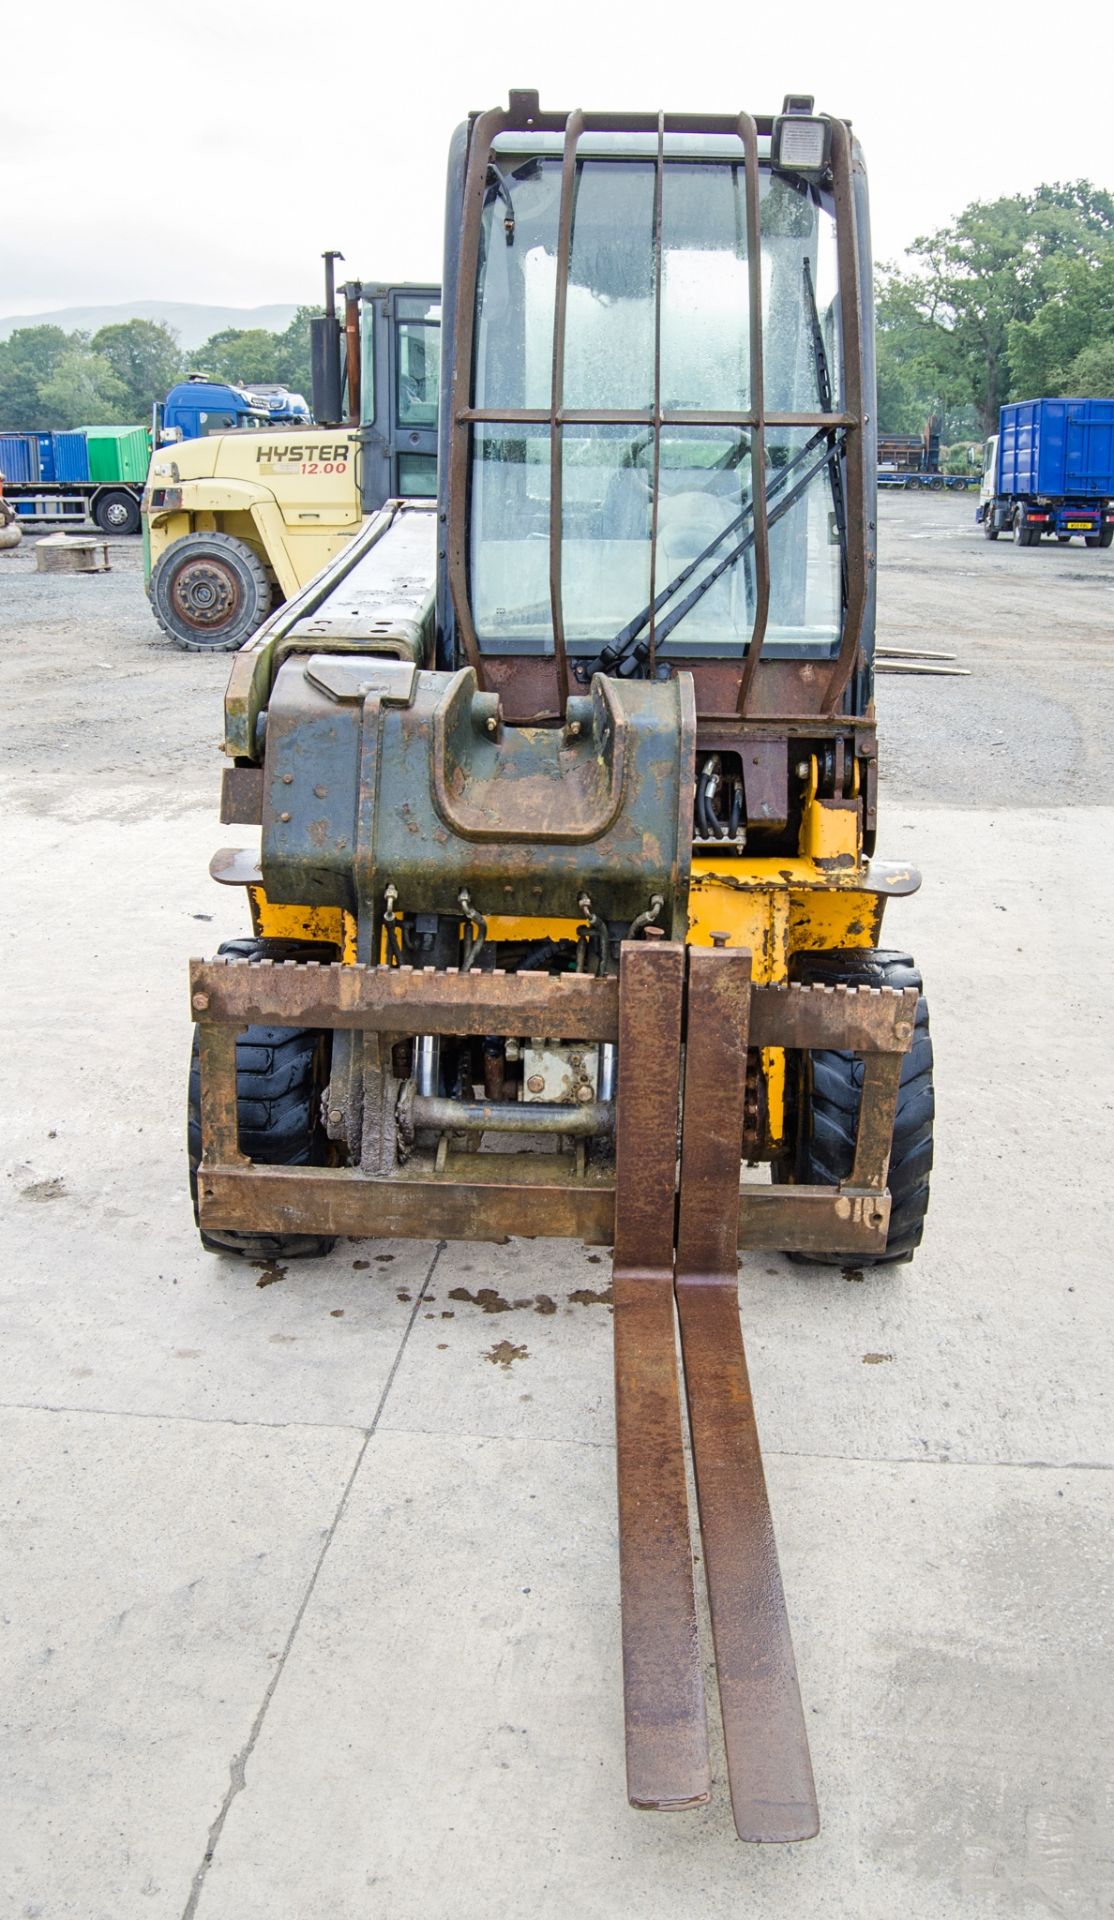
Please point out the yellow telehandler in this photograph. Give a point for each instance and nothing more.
(566, 918)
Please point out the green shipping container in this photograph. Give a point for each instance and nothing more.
(118, 453)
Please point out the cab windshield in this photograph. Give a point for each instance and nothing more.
(701, 331)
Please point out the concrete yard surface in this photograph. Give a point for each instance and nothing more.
(309, 1570)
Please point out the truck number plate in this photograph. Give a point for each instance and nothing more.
(1078, 526)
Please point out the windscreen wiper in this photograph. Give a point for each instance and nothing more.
(787, 500)
(617, 651)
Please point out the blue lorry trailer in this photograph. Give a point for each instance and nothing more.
(1050, 470)
(63, 479)
(97, 473)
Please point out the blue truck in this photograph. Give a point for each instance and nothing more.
(199, 406)
(1050, 470)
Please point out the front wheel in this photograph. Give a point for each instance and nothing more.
(824, 1090)
(209, 592)
(990, 531)
(117, 513)
(281, 1075)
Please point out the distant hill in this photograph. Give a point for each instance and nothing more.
(192, 323)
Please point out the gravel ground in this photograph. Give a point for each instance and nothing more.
(1035, 625)
(101, 709)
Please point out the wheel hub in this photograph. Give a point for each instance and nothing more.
(205, 594)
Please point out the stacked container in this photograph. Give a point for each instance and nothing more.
(117, 453)
(19, 458)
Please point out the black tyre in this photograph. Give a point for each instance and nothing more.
(210, 592)
(1022, 534)
(116, 512)
(990, 531)
(1103, 539)
(824, 1105)
(281, 1074)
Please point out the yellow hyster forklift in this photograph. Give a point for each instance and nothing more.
(566, 919)
(236, 522)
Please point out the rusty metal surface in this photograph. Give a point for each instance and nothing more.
(812, 1220)
(241, 796)
(488, 1199)
(405, 999)
(855, 464)
(666, 1728)
(850, 1019)
(770, 1772)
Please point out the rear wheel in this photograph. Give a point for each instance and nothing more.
(824, 1105)
(281, 1075)
(1023, 535)
(117, 513)
(1103, 539)
(210, 592)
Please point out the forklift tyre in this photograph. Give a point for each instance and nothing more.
(824, 1104)
(210, 592)
(117, 513)
(281, 1075)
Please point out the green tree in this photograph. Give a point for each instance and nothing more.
(968, 315)
(28, 358)
(292, 354)
(1091, 373)
(146, 359)
(83, 391)
(238, 355)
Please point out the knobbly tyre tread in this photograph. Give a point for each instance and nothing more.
(258, 604)
(828, 1103)
(279, 1082)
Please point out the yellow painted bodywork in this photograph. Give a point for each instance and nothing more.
(295, 514)
(775, 906)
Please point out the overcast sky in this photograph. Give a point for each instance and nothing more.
(210, 151)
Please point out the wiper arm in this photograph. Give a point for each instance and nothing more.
(790, 499)
(617, 650)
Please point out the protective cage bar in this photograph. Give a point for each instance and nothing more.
(483, 1196)
(523, 116)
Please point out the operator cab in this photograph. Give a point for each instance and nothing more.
(605, 503)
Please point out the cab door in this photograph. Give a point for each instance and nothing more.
(416, 339)
(400, 377)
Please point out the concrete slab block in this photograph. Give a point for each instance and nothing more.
(447, 1738)
(152, 1573)
(107, 1299)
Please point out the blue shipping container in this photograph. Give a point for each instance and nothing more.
(1059, 448)
(19, 458)
(44, 443)
(71, 456)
